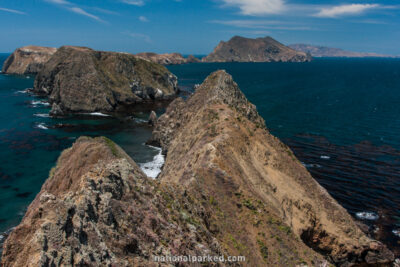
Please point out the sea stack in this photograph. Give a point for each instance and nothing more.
(228, 187)
(79, 79)
(241, 49)
(27, 60)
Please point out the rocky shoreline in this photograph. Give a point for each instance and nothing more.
(228, 187)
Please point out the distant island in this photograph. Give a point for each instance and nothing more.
(323, 51)
(267, 49)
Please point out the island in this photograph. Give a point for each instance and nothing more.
(323, 51)
(241, 49)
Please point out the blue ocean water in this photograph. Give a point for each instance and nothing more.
(341, 117)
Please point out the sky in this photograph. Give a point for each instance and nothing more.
(197, 26)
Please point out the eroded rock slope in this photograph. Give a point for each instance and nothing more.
(79, 79)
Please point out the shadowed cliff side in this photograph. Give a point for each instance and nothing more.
(27, 60)
(217, 146)
(79, 79)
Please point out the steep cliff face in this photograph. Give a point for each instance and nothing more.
(27, 60)
(217, 144)
(228, 187)
(240, 49)
(97, 208)
(78, 79)
(168, 59)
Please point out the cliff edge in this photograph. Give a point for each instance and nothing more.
(27, 60)
(217, 144)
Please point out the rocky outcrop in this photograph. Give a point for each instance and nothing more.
(27, 60)
(168, 59)
(217, 144)
(240, 49)
(79, 79)
(228, 187)
(97, 208)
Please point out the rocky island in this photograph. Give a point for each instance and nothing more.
(27, 60)
(79, 79)
(168, 59)
(323, 51)
(228, 187)
(240, 49)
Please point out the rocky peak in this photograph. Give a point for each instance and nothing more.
(240, 49)
(217, 144)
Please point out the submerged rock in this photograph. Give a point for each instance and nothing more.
(28, 60)
(80, 79)
(240, 49)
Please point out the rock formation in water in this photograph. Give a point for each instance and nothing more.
(27, 60)
(168, 59)
(79, 79)
(323, 51)
(240, 49)
(228, 187)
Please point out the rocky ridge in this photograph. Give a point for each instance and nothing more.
(168, 59)
(240, 49)
(79, 79)
(323, 51)
(228, 187)
(27, 60)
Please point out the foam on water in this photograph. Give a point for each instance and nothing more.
(42, 115)
(371, 216)
(325, 157)
(37, 103)
(41, 126)
(396, 232)
(153, 168)
(98, 114)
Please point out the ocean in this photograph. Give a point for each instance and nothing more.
(341, 117)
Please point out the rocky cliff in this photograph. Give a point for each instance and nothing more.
(323, 51)
(168, 59)
(27, 60)
(217, 145)
(79, 79)
(228, 187)
(240, 49)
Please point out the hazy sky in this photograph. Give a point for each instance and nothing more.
(196, 26)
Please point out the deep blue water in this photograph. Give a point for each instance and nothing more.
(340, 116)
